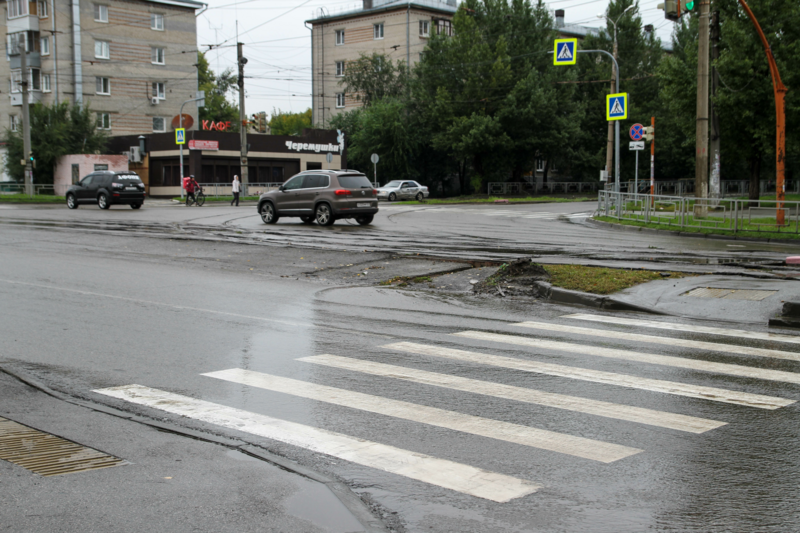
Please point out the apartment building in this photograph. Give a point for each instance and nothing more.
(398, 29)
(131, 61)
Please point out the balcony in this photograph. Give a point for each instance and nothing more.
(33, 60)
(34, 97)
(23, 23)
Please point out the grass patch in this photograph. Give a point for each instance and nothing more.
(491, 199)
(599, 280)
(758, 227)
(35, 199)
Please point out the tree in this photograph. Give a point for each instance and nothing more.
(370, 78)
(217, 106)
(56, 130)
(286, 123)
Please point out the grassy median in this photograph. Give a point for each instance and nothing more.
(598, 280)
(762, 228)
(27, 199)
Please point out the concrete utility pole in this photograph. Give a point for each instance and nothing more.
(242, 118)
(715, 184)
(614, 88)
(701, 138)
(26, 115)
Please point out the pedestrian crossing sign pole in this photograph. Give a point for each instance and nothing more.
(565, 52)
(180, 136)
(617, 106)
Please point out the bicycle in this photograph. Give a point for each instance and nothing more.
(199, 198)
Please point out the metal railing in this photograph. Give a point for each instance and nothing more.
(19, 188)
(728, 188)
(225, 189)
(680, 212)
(534, 188)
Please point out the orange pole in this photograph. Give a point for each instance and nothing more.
(780, 111)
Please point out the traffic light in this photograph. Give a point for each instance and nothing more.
(31, 159)
(262, 122)
(688, 4)
(649, 133)
(672, 9)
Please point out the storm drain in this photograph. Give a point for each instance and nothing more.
(730, 294)
(48, 455)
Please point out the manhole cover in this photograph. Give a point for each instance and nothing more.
(730, 294)
(48, 455)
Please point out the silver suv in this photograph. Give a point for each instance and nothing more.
(322, 196)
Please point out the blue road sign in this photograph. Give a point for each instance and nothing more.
(180, 136)
(637, 132)
(617, 106)
(565, 52)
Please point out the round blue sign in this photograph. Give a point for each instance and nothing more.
(637, 132)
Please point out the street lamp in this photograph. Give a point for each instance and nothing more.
(615, 130)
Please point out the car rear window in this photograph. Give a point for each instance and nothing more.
(355, 181)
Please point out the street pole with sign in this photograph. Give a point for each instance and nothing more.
(374, 158)
(201, 97)
(636, 133)
(329, 158)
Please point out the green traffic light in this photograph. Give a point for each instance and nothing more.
(689, 5)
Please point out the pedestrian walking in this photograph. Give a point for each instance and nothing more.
(236, 188)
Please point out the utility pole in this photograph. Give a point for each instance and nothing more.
(701, 138)
(610, 145)
(242, 118)
(715, 183)
(26, 115)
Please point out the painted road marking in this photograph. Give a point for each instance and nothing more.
(669, 341)
(509, 392)
(536, 438)
(639, 357)
(414, 465)
(598, 376)
(758, 335)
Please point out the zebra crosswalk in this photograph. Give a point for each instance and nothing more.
(572, 442)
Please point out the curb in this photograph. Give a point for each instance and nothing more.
(597, 301)
(349, 499)
(624, 227)
(485, 203)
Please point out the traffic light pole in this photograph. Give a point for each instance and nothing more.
(242, 119)
(701, 131)
(26, 118)
(180, 125)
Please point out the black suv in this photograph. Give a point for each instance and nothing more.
(105, 187)
(321, 196)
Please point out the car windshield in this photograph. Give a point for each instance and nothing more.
(393, 184)
(355, 181)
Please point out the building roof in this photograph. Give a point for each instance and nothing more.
(191, 4)
(380, 6)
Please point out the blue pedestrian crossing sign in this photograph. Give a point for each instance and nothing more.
(617, 106)
(180, 136)
(565, 52)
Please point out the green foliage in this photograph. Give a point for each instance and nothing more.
(218, 108)
(286, 123)
(56, 130)
(372, 77)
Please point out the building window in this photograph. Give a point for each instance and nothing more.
(102, 85)
(540, 165)
(35, 79)
(157, 21)
(41, 9)
(159, 91)
(14, 125)
(16, 78)
(100, 13)
(17, 8)
(339, 69)
(45, 83)
(339, 37)
(103, 122)
(101, 50)
(339, 99)
(159, 124)
(158, 56)
(424, 28)
(444, 27)
(44, 46)
(377, 31)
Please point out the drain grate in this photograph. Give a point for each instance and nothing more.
(730, 294)
(48, 455)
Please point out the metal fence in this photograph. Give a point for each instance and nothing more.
(224, 189)
(533, 188)
(18, 188)
(679, 212)
(728, 188)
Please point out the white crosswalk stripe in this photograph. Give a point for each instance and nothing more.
(677, 362)
(669, 341)
(536, 438)
(414, 465)
(498, 390)
(689, 328)
(597, 376)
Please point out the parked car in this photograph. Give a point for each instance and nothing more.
(106, 188)
(321, 196)
(402, 190)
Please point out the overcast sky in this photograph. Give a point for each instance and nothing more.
(278, 45)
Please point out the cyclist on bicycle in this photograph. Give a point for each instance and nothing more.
(190, 185)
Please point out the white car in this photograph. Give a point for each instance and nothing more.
(402, 190)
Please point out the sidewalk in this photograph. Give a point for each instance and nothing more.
(169, 482)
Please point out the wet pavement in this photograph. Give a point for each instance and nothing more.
(567, 422)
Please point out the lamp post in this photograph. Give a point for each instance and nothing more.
(613, 131)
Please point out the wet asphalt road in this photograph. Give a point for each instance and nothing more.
(84, 310)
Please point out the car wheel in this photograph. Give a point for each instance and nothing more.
(364, 219)
(307, 220)
(420, 196)
(392, 197)
(136, 206)
(102, 201)
(268, 214)
(72, 203)
(324, 215)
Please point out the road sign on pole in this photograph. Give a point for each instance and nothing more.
(565, 52)
(180, 136)
(637, 132)
(374, 158)
(617, 106)
(637, 145)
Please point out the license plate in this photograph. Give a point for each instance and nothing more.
(131, 189)
(362, 205)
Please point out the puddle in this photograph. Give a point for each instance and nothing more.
(316, 504)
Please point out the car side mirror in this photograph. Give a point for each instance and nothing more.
(281, 188)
